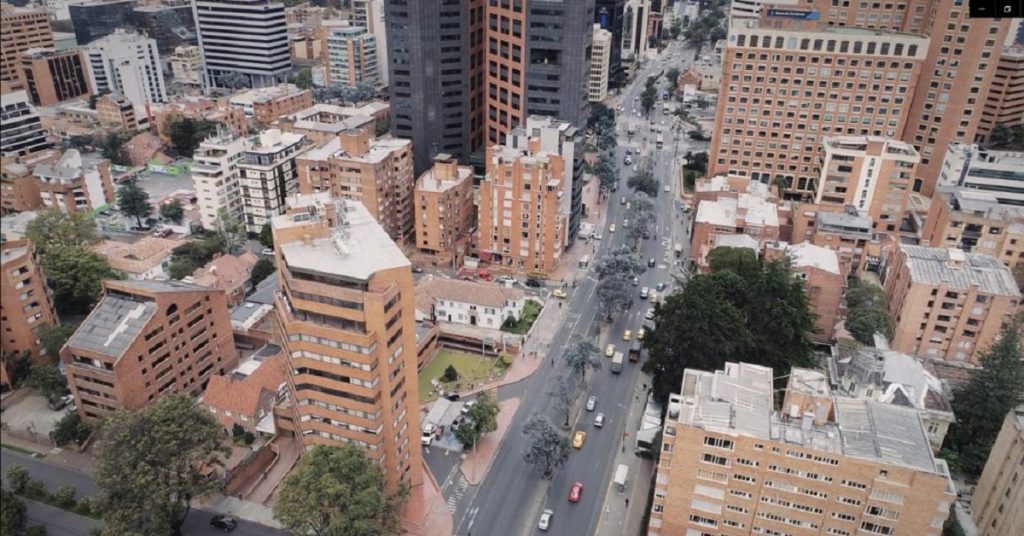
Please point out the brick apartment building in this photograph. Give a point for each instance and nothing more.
(1005, 103)
(946, 304)
(443, 205)
(54, 76)
(265, 105)
(823, 278)
(841, 229)
(145, 339)
(731, 464)
(321, 122)
(346, 315)
(377, 172)
(74, 183)
(24, 29)
(976, 222)
(26, 303)
(998, 496)
(753, 213)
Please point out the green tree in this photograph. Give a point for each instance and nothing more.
(642, 218)
(337, 491)
(643, 181)
(266, 236)
(648, 98)
(262, 270)
(70, 429)
(181, 267)
(65, 496)
(75, 275)
(150, 463)
(605, 170)
(615, 273)
(172, 211)
(450, 374)
(548, 448)
(48, 380)
(676, 28)
(235, 81)
(53, 228)
(481, 419)
(113, 149)
(12, 512)
(17, 478)
(983, 402)
(582, 356)
(229, 231)
(697, 162)
(186, 133)
(303, 78)
(134, 201)
(1007, 138)
(673, 77)
(738, 260)
(52, 338)
(866, 312)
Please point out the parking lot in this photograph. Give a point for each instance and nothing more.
(31, 417)
(442, 415)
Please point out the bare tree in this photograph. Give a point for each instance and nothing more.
(548, 447)
(582, 356)
(565, 392)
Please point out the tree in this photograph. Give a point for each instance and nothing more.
(648, 98)
(582, 356)
(150, 464)
(17, 478)
(866, 312)
(697, 162)
(52, 338)
(303, 78)
(1008, 138)
(48, 380)
(113, 149)
(450, 374)
(186, 133)
(615, 272)
(266, 236)
(643, 181)
(383, 126)
(53, 228)
(229, 231)
(481, 419)
(172, 211)
(739, 260)
(676, 28)
(337, 491)
(234, 80)
(134, 201)
(983, 402)
(605, 170)
(262, 270)
(181, 267)
(12, 512)
(75, 275)
(641, 217)
(548, 448)
(600, 116)
(566, 392)
(672, 76)
(70, 429)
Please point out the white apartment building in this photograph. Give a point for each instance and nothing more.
(370, 15)
(634, 29)
(128, 63)
(214, 176)
(998, 172)
(267, 175)
(351, 54)
(467, 302)
(247, 37)
(600, 59)
(187, 65)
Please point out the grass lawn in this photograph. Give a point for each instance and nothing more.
(530, 311)
(472, 369)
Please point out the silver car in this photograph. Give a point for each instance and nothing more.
(545, 519)
(599, 420)
(591, 403)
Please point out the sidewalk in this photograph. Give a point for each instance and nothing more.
(478, 461)
(425, 512)
(66, 457)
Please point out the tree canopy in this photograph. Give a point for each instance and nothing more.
(12, 512)
(866, 312)
(337, 491)
(53, 228)
(303, 78)
(605, 170)
(643, 180)
(151, 463)
(615, 273)
(481, 419)
(172, 211)
(134, 201)
(983, 402)
(582, 356)
(266, 236)
(75, 275)
(548, 448)
(186, 133)
(52, 338)
(48, 380)
(1007, 138)
(755, 316)
(261, 270)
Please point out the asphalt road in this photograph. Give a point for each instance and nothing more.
(59, 522)
(511, 498)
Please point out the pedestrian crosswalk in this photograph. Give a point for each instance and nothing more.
(456, 491)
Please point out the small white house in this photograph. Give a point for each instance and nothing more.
(474, 303)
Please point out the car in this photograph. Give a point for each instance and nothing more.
(653, 297)
(534, 282)
(269, 252)
(428, 434)
(641, 333)
(576, 491)
(591, 403)
(650, 314)
(453, 397)
(651, 262)
(660, 286)
(163, 232)
(559, 293)
(623, 200)
(417, 269)
(627, 335)
(625, 224)
(58, 403)
(457, 422)
(599, 420)
(545, 519)
(629, 152)
(578, 438)
(628, 205)
(636, 281)
(467, 406)
(609, 350)
(644, 292)
(597, 236)
(611, 228)
(668, 188)
(222, 522)
(635, 167)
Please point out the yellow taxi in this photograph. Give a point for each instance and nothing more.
(559, 293)
(578, 438)
(641, 333)
(609, 350)
(653, 296)
(627, 335)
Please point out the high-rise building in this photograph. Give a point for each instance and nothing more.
(169, 22)
(75, 183)
(805, 85)
(609, 14)
(946, 304)
(1005, 103)
(53, 76)
(214, 174)
(443, 205)
(129, 64)
(346, 315)
(1000, 173)
(93, 19)
(187, 66)
(731, 463)
(267, 175)
(634, 30)
(21, 131)
(350, 53)
(998, 503)
(377, 172)
(872, 174)
(144, 340)
(26, 304)
(245, 39)
(600, 58)
(370, 15)
(24, 29)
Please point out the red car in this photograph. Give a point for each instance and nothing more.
(575, 492)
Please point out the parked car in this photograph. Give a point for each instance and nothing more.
(222, 522)
(468, 406)
(644, 291)
(545, 519)
(268, 252)
(627, 335)
(457, 422)
(636, 281)
(576, 491)
(559, 293)
(534, 282)
(599, 420)
(428, 434)
(591, 403)
(58, 403)
(417, 269)
(578, 439)
(651, 262)
(641, 333)
(650, 314)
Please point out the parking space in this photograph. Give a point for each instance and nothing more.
(31, 417)
(444, 416)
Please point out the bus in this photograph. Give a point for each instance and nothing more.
(660, 141)
(617, 363)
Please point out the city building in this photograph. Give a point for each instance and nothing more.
(609, 14)
(370, 15)
(242, 39)
(215, 178)
(129, 64)
(600, 60)
(322, 123)
(116, 112)
(823, 279)
(443, 206)
(998, 172)
(21, 130)
(170, 22)
(187, 66)
(522, 222)
(843, 230)
(472, 303)
(998, 503)
(873, 174)
(266, 104)
(732, 464)
(347, 324)
(267, 175)
(146, 339)
(147, 258)
(75, 183)
(199, 108)
(946, 304)
(377, 172)
(975, 222)
(19, 190)
(753, 214)
(230, 273)
(350, 53)
(893, 378)
(782, 146)
(634, 31)
(93, 19)
(24, 29)
(1005, 102)
(53, 76)
(246, 395)
(26, 303)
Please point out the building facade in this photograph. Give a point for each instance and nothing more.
(975, 222)
(370, 15)
(116, 112)
(636, 15)
(215, 177)
(351, 55)
(75, 183)
(600, 61)
(824, 282)
(187, 66)
(129, 64)
(347, 324)
(609, 15)
(243, 39)
(21, 130)
(27, 303)
(24, 29)
(265, 105)
(267, 175)
(1000, 173)
(998, 503)
(146, 339)
(1005, 103)
(93, 19)
(53, 76)
(443, 205)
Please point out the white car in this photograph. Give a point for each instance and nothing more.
(468, 406)
(599, 420)
(668, 188)
(644, 291)
(428, 434)
(545, 519)
(268, 252)
(597, 236)
(649, 315)
(591, 403)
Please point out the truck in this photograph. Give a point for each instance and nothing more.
(631, 129)
(678, 249)
(621, 477)
(660, 141)
(634, 352)
(617, 363)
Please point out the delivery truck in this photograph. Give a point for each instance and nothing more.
(617, 363)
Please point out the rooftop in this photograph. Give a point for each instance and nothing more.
(10, 253)
(844, 222)
(357, 248)
(226, 272)
(265, 94)
(430, 289)
(379, 150)
(737, 240)
(891, 377)
(69, 166)
(861, 144)
(431, 181)
(241, 391)
(138, 257)
(809, 255)
(743, 210)
(981, 203)
(959, 270)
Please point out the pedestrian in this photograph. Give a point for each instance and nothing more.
(552, 361)
(627, 502)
